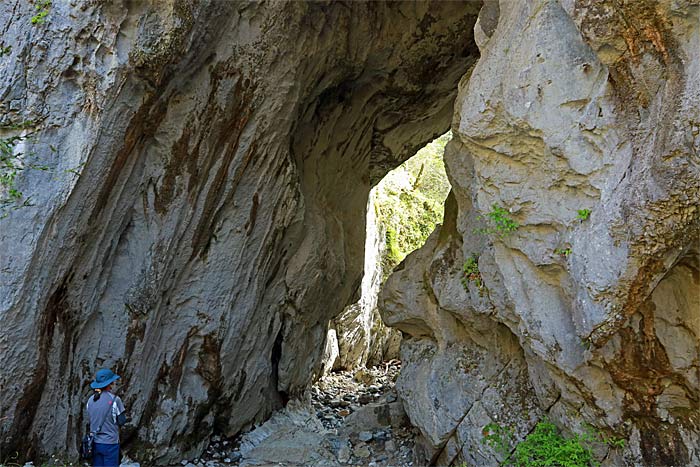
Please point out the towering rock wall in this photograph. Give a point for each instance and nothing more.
(573, 105)
(202, 217)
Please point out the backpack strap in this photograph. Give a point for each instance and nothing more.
(109, 412)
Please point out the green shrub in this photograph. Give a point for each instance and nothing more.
(565, 252)
(392, 243)
(583, 214)
(42, 9)
(12, 164)
(545, 447)
(499, 222)
(471, 273)
(498, 438)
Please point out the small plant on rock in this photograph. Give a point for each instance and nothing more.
(564, 252)
(12, 164)
(499, 438)
(42, 9)
(583, 214)
(613, 442)
(471, 273)
(500, 222)
(594, 435)
(545, 447)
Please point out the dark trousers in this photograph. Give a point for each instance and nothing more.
(106, 455)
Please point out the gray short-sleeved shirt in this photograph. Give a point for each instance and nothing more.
(98, 410)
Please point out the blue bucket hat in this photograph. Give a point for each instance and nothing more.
(104, 378)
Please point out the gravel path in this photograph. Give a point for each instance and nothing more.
(352, 418)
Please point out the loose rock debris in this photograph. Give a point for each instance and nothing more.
(351, 418)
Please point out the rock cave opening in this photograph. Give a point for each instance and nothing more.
(403, 210)
(354, 404)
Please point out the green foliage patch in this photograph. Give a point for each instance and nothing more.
(410, 202)
(583, 214)
(498, 438)
(11, 164)
(42, 10)
(546, 447)
(565, 252)
(499, 222)
(471, 273)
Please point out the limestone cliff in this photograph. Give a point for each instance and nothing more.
(565, 280)
(200, 218)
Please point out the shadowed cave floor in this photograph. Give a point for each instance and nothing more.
(350, 418)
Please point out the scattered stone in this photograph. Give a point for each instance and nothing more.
(364, 399)
(344, 454)
(363, 376)
(362, 451)
(361, 406)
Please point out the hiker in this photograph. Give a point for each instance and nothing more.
(106, 415)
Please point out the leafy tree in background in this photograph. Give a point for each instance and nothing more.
(410, 201)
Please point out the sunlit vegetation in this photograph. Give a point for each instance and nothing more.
(410, 201)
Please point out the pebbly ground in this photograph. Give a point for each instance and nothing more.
(350, 418)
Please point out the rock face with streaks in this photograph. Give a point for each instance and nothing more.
(576, 184)
(201, 218)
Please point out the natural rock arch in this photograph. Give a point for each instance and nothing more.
(202, 218)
